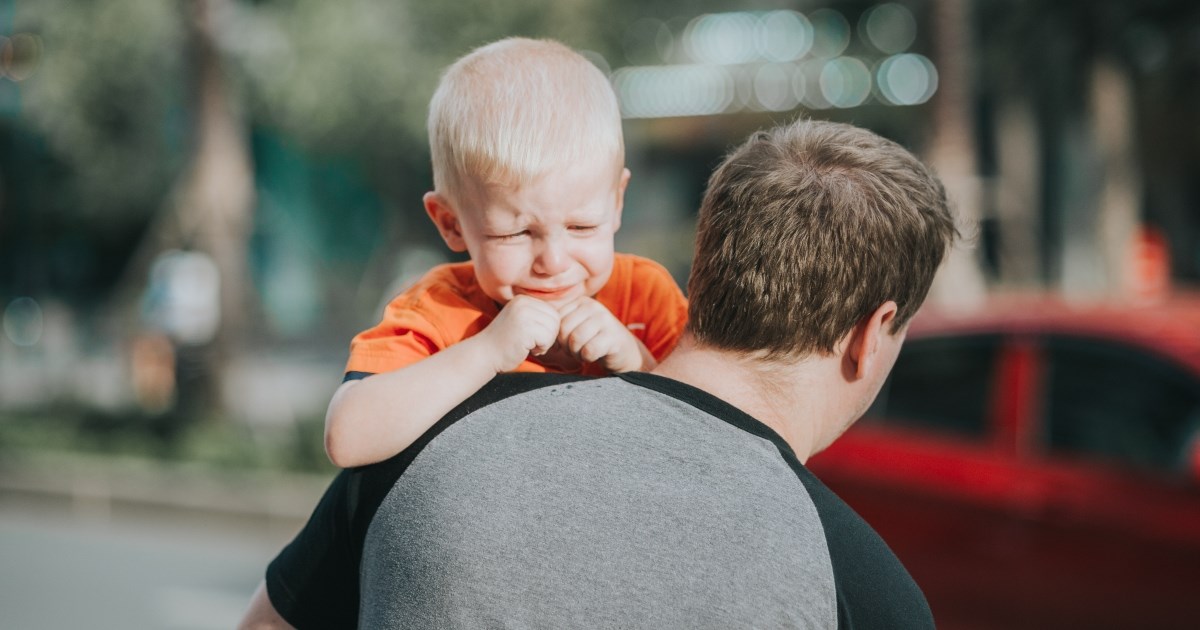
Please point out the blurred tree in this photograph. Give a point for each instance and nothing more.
(107, 98)
(106, 111)
(1088, 118)
(118, 95)
(954, 145)
(107, 101)
(148, 105)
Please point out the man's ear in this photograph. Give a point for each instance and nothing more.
(862, 349)
(445, 217)
(622, 183)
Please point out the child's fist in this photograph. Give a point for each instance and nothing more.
(592, 333)
(524, 326)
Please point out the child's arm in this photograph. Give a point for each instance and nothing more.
(375, 418)
(593, 333)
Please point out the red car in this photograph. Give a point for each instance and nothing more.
(1036, 464)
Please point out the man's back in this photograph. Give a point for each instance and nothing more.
(620, 502)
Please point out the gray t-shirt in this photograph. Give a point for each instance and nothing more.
(625, 502)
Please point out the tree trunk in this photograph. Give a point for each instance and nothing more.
(952, 151)
(1018, 202)
(218, 191)
(208, 212)
(1120, 184)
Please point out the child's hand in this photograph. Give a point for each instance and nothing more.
(592, 333)
(524, 326)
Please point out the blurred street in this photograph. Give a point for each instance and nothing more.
(105, 554)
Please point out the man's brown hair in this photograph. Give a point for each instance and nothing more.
(806, 229)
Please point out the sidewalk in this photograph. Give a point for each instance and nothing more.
(101, 484)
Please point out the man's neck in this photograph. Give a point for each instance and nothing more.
(790, 398)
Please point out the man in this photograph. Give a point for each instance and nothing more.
(677, 498)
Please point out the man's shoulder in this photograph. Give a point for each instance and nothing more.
(874, 589)
(563, 412)
(499, 389)
(512, 384)
(633, 489)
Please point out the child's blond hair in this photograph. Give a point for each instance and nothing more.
(512, 110)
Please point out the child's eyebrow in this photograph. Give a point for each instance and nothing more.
(503, 227)
(502, 220)
(516, 221)
(586, 215)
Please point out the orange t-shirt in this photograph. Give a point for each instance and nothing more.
(447, 306)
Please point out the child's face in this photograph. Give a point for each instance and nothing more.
(551, 239)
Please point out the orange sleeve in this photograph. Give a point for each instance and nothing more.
(402, 338)
(438, 311)
(666, 310)
(657, 304)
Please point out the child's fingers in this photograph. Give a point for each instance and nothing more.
(528, 306)
(596, 348)
(543, 331)
(544, 335)
(580, 335)
(528, 325)
(594, 313)
(530, 312)
(569, 321)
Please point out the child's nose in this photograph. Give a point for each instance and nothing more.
(551, 257)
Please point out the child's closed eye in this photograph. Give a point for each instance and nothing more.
(511, 236)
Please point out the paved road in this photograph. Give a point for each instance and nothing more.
(73, 564)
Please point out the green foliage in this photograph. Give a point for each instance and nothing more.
(111, 95)
(105, 97)
(335, 75)
(450, 29)
(213, 442)
(356, 76)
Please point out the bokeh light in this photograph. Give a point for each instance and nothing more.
(183, 297)
(722, 38)
(808, 84)
(682, 90)
(799, 83)
(845, 82)
(647, 41)
(773, 87)
(907, 79)
(890, 27)
(831, 33)
(597, 60)
(20, 55)
(743, 94)
(784, 36)
(23, 321)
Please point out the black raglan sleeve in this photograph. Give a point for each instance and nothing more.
(874, 589)
(313, 582)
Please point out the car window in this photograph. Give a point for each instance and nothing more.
(940, 384)
(1112, 402)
